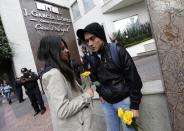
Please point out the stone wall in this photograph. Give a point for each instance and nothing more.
(167, 17)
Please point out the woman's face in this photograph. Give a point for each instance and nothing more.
(64, 53)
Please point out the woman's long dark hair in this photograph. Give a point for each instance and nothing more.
(49, 51)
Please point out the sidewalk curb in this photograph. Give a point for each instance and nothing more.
(144, 54)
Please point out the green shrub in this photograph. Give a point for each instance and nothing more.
(5, 50)
(134, 34)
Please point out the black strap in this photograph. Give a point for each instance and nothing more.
(115, 55)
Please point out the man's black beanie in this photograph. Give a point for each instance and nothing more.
(93, 28)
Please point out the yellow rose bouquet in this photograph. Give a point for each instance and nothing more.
(128, 118)
(86, 81)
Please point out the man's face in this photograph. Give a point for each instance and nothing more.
(94, 42)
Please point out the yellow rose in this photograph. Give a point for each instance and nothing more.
(120, 112)
(129, 122)
(127, 117)
(86, 73)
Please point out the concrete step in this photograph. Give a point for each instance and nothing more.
(145, 54)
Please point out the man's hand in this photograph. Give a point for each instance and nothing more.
(22, 80)
(135, 113)
(102, 100)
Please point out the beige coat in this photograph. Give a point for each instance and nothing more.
(70, 111)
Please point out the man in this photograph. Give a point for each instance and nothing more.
(118, 87)
(18, 87)
(86, 59)
(29, 81)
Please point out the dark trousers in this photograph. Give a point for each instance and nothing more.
(19, 93)
(36, 99)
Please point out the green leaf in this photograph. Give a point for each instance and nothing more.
(5, 50)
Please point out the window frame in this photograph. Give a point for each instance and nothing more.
(88, 9)
(75, 3)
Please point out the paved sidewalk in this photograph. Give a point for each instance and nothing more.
(19, 117)
(149, 68)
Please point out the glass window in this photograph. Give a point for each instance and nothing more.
(123, 24)
(75, 10)
(88, 4)
(130, 32)
(105, 1)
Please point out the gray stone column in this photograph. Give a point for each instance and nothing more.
(167, 17)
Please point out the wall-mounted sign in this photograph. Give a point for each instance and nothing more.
(48, 18)
(43, 18)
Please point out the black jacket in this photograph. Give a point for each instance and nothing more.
(30, 81)
(116, 83)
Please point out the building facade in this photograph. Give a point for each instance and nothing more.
(108, 13)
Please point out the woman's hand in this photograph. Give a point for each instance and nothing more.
(102, 100)
(135, 113)
(90, 91)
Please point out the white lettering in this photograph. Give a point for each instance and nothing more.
(51, 28)
(25, 12)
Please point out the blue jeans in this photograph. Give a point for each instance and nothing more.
(8, 96)
(111, 115)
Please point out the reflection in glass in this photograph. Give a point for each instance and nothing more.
(88, 4)
(75, 10)
(125, 23)
(129, 32)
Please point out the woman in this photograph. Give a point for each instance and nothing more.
(69, 106)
